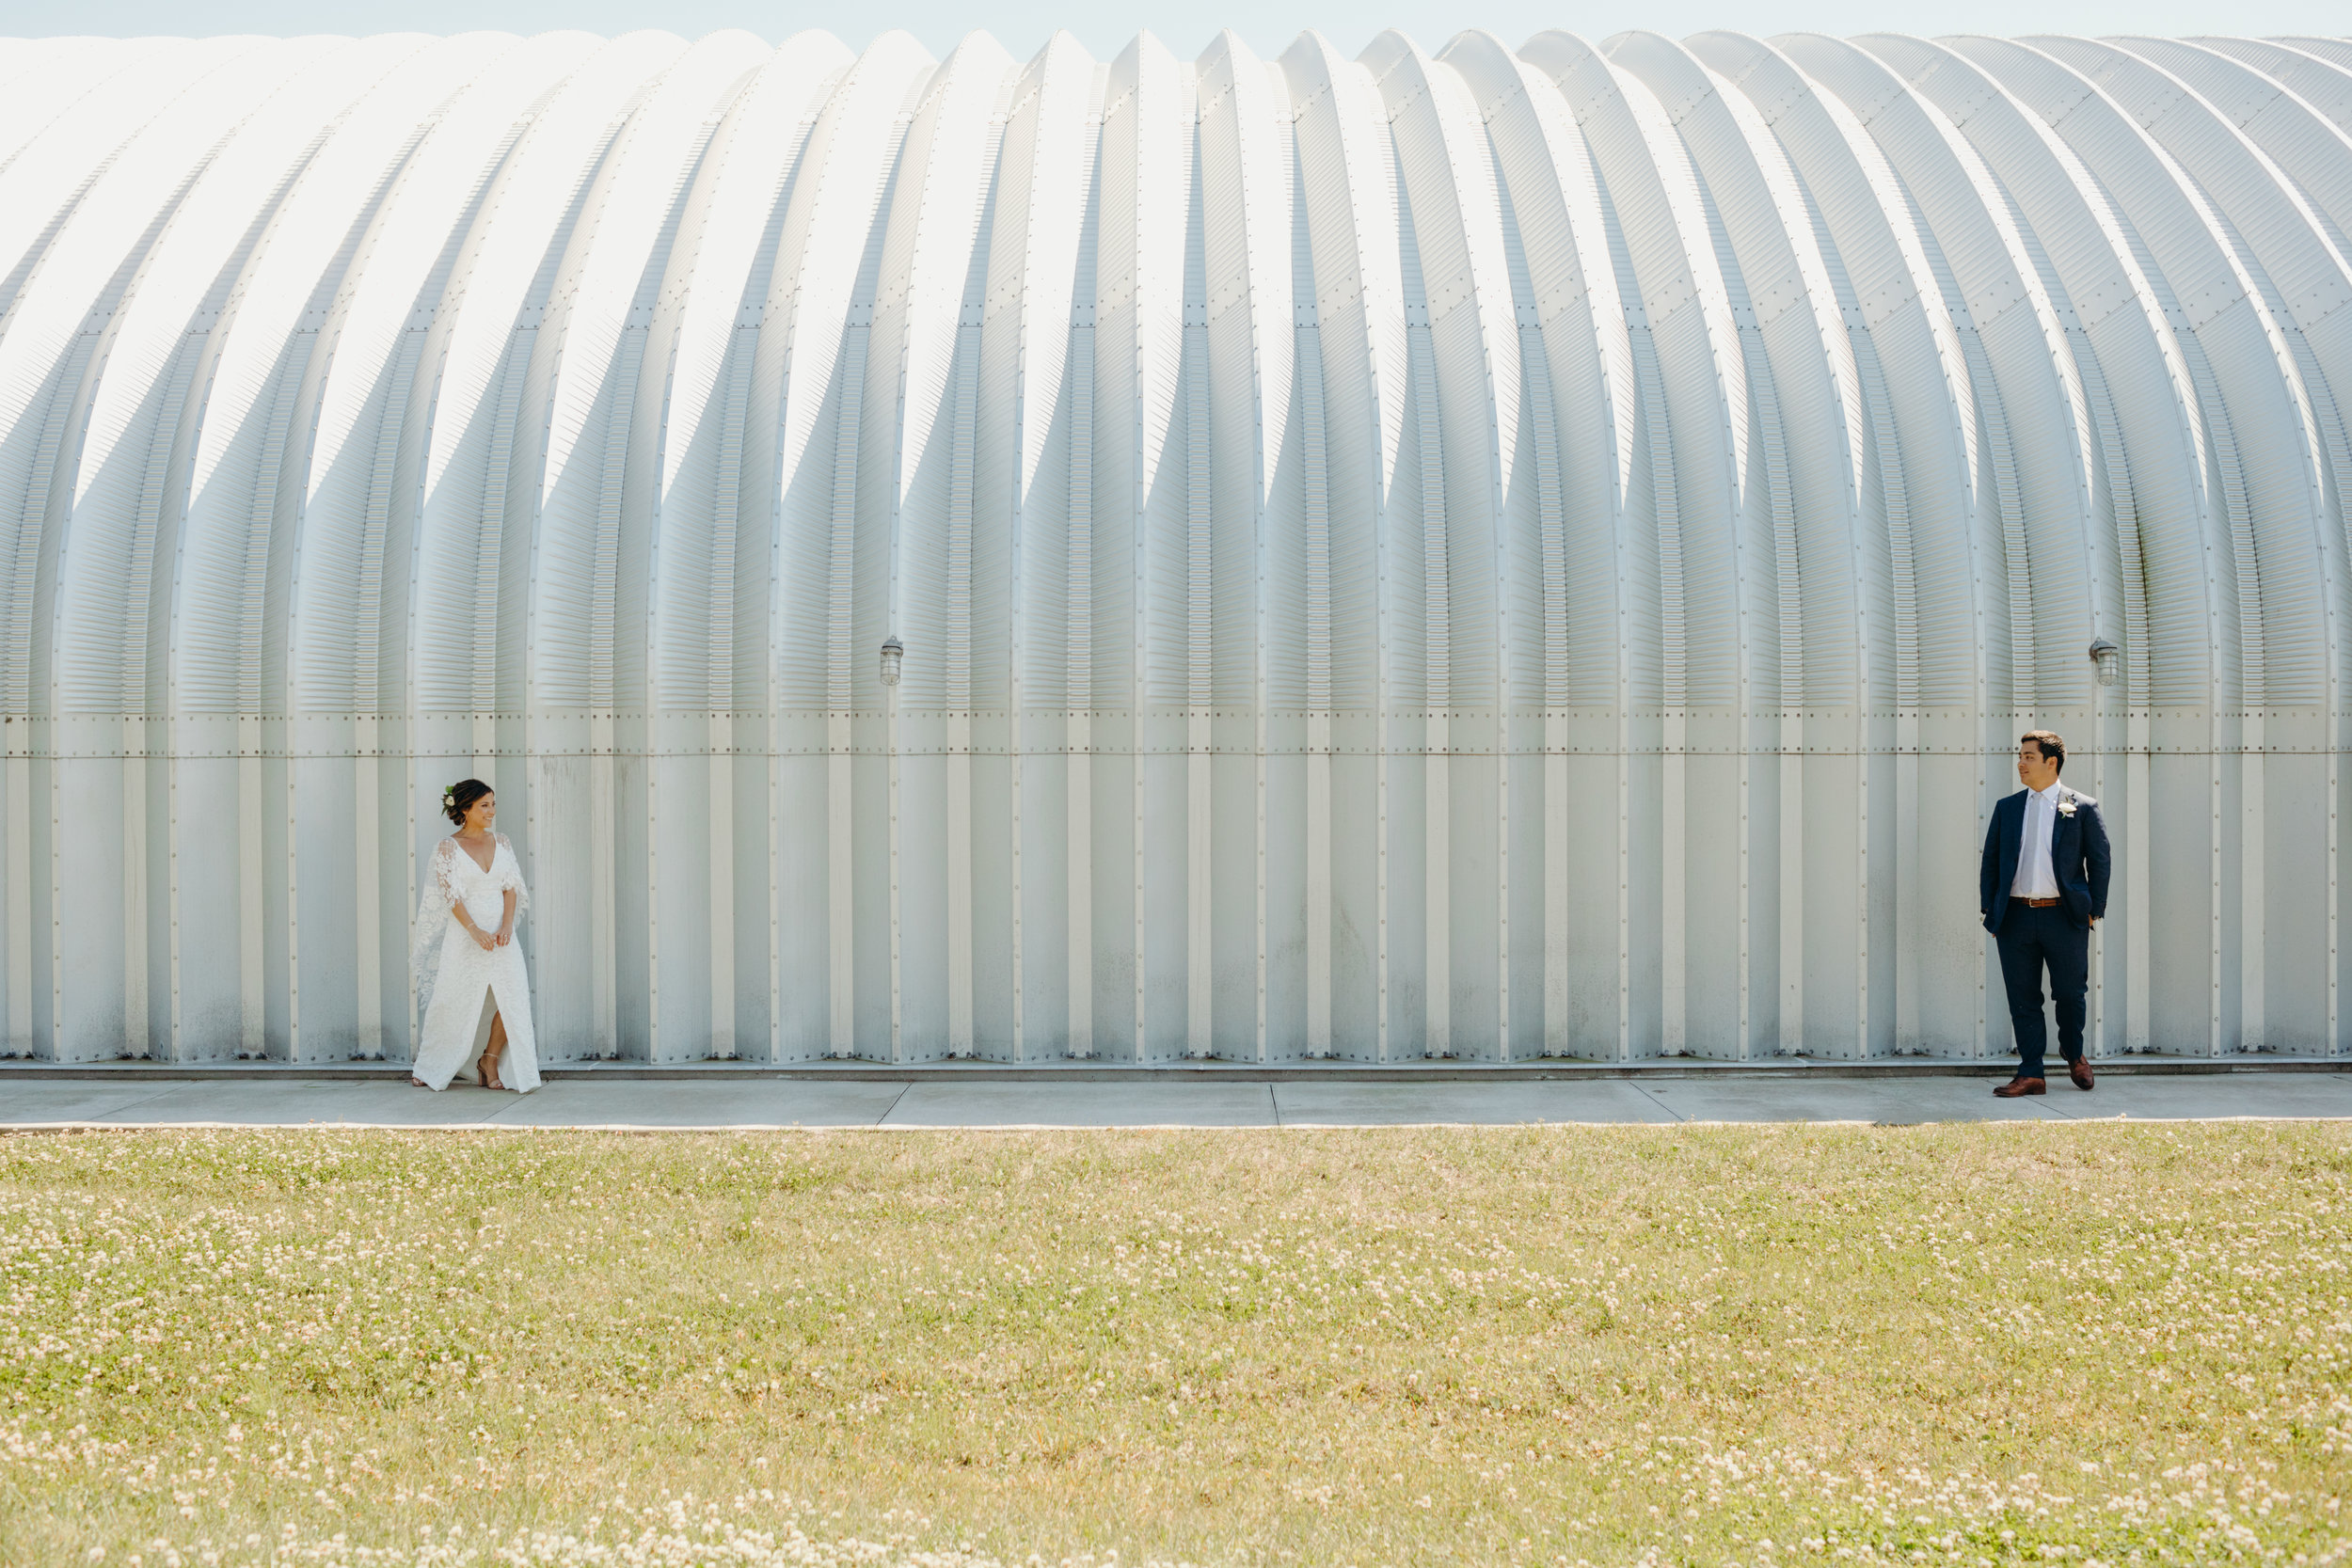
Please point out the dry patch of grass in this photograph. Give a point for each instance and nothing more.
(1709, 1345)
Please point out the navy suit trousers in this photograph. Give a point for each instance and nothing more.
(2030, 939)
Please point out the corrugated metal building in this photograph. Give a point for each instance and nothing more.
(1491, 555)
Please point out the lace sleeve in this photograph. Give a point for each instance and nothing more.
(511, 876)
(433, 916)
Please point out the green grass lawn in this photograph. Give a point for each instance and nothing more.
(1706, 1345)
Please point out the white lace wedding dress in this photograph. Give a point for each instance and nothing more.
(457, 981)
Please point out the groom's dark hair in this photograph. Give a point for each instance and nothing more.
(459, 798)
(2053, 746)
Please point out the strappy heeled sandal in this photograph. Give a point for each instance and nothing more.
(490, 1071)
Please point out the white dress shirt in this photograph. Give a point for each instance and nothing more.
(2036, 877)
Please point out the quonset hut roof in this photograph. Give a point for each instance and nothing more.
(1491, 553)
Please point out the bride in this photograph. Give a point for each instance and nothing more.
(464, 956)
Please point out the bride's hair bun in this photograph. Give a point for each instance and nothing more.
(458, 798)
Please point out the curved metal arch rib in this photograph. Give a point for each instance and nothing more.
(1485, 553)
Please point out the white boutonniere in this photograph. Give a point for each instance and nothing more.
(2066, 808)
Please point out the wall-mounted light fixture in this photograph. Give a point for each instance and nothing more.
(892, 653)
(2109, 658)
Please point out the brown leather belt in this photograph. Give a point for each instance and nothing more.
(2041, 903)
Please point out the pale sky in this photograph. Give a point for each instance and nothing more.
(1186, 26)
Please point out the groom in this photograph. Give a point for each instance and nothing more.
(2042, 888)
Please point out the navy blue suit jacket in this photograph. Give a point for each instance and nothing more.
(2078, 854)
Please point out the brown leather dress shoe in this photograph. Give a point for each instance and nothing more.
(2018, 1087)
(2079, 1071)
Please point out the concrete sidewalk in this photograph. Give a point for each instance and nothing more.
(31, 1099)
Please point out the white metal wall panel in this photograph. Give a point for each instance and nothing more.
(44, 77)
(2273, 410)
(234, 747)
(107, 500)
(487, 358)
(1354, 328)
(61, 147)
(1487, 555)
(1918, 497)
(2125, 346)
(2325, 88)
(818, 319)
(1693, 915)
(607, 434)
(1033, 491)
